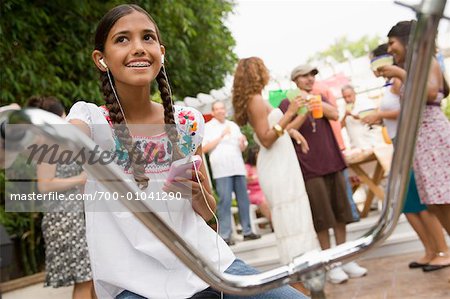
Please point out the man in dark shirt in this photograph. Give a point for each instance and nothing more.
(322, 171)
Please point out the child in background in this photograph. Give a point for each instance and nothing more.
(255, 194)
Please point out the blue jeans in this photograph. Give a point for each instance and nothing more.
(238, 267)
(225, 187)
(348, 186)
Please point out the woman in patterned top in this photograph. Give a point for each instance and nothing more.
(432, 153)
(66, 254)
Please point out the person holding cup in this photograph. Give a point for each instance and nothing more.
(361, 134)
(432, 156)
(322, 169)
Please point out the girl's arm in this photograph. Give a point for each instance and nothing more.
(257, 114)
(47, 181)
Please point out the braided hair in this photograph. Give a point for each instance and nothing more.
(115, 112)
(166, 96)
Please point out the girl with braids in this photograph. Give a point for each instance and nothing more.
(127, 260)
(432, 154)
(278, 169)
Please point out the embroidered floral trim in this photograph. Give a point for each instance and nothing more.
(157, 150)
(187, 128)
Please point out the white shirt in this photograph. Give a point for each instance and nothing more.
(124, 254)
(390, 102)
(226, 158)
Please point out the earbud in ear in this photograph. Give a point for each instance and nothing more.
(162, 58)
(102, 62)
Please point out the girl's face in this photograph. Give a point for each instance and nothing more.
(396, 49)
(132, 50)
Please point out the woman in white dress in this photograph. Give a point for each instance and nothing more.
(279, 172)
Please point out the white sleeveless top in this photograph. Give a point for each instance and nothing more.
(389, 102)
(124, 254)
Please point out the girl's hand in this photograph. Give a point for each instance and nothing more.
(300, 140)
(372, 119)
(187, 184)
(189, 188)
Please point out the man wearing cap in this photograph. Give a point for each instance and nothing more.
(322, 170)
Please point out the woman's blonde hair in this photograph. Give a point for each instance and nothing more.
(249, 79)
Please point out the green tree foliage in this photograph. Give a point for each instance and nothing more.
(46, 46)
(356, 48)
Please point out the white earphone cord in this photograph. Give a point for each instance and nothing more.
(209, 208)
(200, 184)
(115, 95)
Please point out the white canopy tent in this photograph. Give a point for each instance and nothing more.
(202, 102)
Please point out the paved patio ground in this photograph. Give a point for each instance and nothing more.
(388, 278)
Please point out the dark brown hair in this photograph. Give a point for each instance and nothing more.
(402, 31)
(250, 78)
(252, 154)
(50, 104)
(380, 50)
(115, 113)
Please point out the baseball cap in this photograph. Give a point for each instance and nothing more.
(303, 69)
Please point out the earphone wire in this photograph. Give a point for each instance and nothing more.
(115, 95)
(198, 179)
(209, 208)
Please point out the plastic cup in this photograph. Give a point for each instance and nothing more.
(291, 94)
(380, 61)
(349, 107)
(365, 113)
(316, 105)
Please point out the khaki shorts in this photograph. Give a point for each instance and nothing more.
(328, 201)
